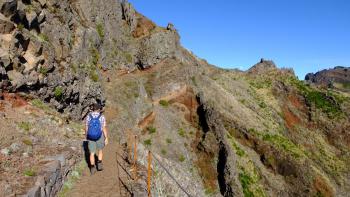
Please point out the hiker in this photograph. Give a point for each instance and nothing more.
(96, 135)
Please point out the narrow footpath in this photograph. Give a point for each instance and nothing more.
(111, 182)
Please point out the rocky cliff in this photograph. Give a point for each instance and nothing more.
(57, 49)
(338, 77)
(219, 132)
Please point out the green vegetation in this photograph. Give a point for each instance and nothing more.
(149, 86)
(169, 141)
(147, 142)
(329, 160)
(53, 9)
(128, 57)
(27, 142)
(132, 89)
(100, 30)
(285, 144)
(246, 181)
(240, 152)
(43, 37)
(249, 184)
(339, 97)
(74, 68)
(39, 104)
(182, 158)
(29, 172)
(262, 104)
(93, 75)
(164, 103)
(261, 83)
(130, 84)
(58, 92)
(319, 194)
(209, 191)
(95, 56)
(320, 100)
(43, 70)
(242, 101)
(163, 151)
(280, 142)
(20, 27)
(151, 129)
(181, 132)
(193, 78)
(346, 85)
(29, 8)
(26, 126)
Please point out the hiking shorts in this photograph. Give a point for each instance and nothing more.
(95, 146)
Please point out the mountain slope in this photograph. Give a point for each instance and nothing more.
(219, 132)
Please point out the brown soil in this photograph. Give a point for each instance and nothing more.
(15, 99)
(204, 164)
(290, 118)
(322, 188)
(295, 101)
(149, 119)
(188, 99)
(144, 26)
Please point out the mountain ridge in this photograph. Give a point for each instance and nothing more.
(220, 132)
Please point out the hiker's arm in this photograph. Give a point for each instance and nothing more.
(86, 130)
(86, 122)
(105, 134)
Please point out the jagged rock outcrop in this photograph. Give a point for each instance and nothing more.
(256, 133)
(158, 46)
(59, 48)
(262, 67)
(328, 77)
(266, 67)
(129, 15)
(211, 121)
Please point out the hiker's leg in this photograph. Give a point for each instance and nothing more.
(92, 159)
(100, 144)
(92, 149)
(100, 155)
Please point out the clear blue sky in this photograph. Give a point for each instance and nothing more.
(306, 35)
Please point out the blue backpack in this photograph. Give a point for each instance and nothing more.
(94, 129)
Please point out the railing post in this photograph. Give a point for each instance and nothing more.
(149, 173)
(135, 158)
(129, 145)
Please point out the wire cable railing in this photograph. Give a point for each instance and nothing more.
(133, 154)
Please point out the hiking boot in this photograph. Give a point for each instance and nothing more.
(99, 166)
(92, 170)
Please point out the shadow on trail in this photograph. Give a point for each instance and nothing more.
(86, 152)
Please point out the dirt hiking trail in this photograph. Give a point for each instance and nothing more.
(110, 182)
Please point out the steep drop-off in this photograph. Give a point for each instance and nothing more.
(219, 132)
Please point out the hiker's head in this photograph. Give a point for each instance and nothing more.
(96, 107)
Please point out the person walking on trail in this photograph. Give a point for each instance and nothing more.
(96, 135)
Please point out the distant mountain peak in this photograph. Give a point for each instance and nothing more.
(262, 66)
(330, 77)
